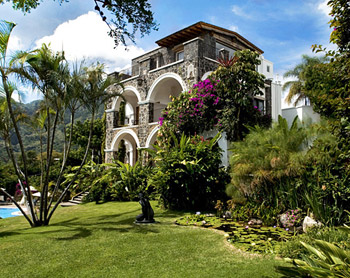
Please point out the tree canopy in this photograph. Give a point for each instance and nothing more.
(300, 72)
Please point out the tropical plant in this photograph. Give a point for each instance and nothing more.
(295, 250)
(132, 181)
(7, 89)
(92, 177)
(264, 168)
(192, 112)
(93, 96)
(326, 260)
(239, 83)
(267, 156)
(188, 173)
(300, 72)
(328, 89)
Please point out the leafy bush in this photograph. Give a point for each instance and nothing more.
(295, 250)
(324, 259)
(95, 178)
(327, 177)
(188, 173)
(132, 181)
(192, 112)
(265, 167)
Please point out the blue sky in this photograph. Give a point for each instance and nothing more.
(283, 29)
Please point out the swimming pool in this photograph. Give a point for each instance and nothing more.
(9, 212)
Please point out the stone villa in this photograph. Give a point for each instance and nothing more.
(181, 60)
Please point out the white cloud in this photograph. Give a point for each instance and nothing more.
(233, 28)
(15, 44)
(86, 38)
(240, 12)
(324, 8)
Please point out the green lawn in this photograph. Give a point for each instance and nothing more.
(102, 241)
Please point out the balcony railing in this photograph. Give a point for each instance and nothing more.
(128, 121)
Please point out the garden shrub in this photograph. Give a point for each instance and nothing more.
(322, 259)
(112, 181)
(132, 181)
(95, 178)
(188, 173)
(264, 168)
(327, 180)
(293, 248)
(191, 112)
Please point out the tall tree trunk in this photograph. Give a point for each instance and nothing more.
(48, 168)
(46, 173)
(65, 157)
(78, 171)
(10, 152)
(24, 157)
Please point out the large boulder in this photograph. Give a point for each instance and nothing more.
(309, 223)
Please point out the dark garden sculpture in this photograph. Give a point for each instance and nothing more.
(147, 212)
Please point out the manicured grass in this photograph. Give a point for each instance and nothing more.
(102, 241)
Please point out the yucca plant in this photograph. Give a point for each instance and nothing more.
(326, 260)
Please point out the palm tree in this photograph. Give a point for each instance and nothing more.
(93, 95)
(296, 87)
(47, 72)
(62, 91)
(6, 68)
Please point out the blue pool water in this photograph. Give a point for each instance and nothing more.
(7, 212)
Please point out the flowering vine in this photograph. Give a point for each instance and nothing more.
(192, 112)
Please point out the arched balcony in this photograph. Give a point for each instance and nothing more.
(126, 108)
(125, 146)
(165, 86)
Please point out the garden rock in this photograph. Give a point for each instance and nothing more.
(227, 214)
(254, 221)
(309, 222)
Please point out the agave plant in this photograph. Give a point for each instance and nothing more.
(327, 260)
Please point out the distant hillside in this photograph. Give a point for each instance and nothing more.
(31, 140)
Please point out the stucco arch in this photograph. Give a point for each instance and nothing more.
(151, 136)
(127, 88)
(162, 78)
(120, 135)
(131, 142)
